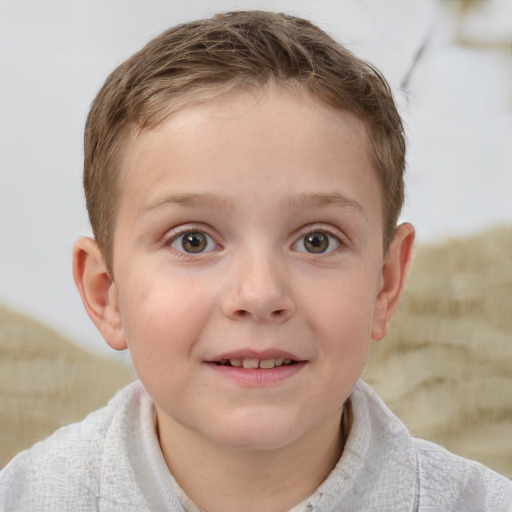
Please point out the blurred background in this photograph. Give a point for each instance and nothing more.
(450, 65)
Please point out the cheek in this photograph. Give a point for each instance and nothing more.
(342, 322)
(164, 318)
(343, 307)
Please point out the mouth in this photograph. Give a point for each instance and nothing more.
(252, 363)
(257, 369)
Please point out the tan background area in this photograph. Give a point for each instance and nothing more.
(445, 368)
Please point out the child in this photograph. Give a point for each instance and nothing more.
(243, 177)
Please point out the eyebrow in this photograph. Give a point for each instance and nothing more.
(220, 202)
(324, 200)
(192, 199)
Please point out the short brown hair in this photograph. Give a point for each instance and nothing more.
(197, 61)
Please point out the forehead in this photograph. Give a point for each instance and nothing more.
(284, 135)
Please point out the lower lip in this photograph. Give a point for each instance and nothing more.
(254, 377)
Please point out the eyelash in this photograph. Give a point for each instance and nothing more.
(174, 237)
(331, 233)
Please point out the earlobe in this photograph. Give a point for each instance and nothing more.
(98, 291)
(393, 277)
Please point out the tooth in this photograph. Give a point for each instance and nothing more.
(267, 363)
(250, 363)
(279, 361)
(287, 361)
(237, 363)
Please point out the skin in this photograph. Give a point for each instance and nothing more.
(248, 173)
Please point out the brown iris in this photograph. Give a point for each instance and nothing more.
(194, 242)
(316, 242)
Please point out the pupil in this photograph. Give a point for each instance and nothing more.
(316, 242)
(194, 242)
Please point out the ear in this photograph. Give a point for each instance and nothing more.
(394, 274)
(98, 291)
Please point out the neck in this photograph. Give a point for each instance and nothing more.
(218, 479)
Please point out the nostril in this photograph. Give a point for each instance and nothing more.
(243, 313)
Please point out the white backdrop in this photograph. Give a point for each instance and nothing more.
(54, 56)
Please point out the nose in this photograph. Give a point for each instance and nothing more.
(258, 289)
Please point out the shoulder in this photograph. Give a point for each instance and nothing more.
(462, 484)
(64, 468)
(425, 472)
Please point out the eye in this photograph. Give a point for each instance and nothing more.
(317, 242)
(193, 242)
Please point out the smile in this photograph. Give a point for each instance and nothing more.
(256, 369)
(264, 364)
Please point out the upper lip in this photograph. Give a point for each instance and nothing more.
(261, 355)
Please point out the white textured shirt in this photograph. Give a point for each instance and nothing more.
(112, 461)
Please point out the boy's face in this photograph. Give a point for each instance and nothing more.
(249, 232)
